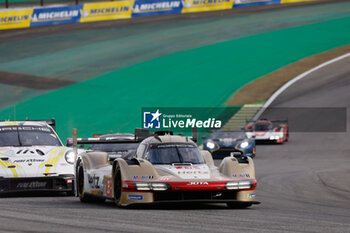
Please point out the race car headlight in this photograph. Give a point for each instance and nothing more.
(244, 145)
(274, 137)
(210, 145)
(232, 185)
(141, 186)
(159, 186)
(70, 157)
(239, 185)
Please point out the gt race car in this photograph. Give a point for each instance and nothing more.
(268, 131)
(223, 142)
(165, 168)
(33, 158)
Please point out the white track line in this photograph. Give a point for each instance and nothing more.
(294, 80)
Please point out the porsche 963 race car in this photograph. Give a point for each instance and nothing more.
(165, 168)
(33, 158)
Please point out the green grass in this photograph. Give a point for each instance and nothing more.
(201, 77)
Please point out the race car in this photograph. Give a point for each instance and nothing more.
(268, 131)
(33, 158)
(165, 168)
(222, 142)
(127, 142)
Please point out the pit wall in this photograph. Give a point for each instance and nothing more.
(114, 10)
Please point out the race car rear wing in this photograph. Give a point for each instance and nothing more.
(139, 135)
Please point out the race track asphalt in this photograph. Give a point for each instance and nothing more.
(304, 185)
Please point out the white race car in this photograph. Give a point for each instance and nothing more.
(268, 131)
(33, 158)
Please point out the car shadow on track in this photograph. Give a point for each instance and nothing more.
(35, 194)
(164, 206)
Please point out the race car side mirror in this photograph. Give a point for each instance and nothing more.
(69, 142)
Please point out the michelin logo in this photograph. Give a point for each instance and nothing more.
(151, 120)
(68, 14)
(157, 6)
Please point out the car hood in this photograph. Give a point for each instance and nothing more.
(227, 142)
(34, 161)
(186, 172)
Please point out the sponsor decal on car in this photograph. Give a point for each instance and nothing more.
(135, 197)
(142, 177)
(251, 195)
(198, 183)
(192, 172)
(29, 160)
(242, 175)
(166, 178)
(187, 167)
(32, 185)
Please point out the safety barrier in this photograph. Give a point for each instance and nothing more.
(91, 12)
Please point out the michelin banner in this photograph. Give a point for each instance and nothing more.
(56, 15)
(15, 19)
(156, 7)
(106, 11)
(190, 6)
(244, 3)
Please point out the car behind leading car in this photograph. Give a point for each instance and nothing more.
(33, 158)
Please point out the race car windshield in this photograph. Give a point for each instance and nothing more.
(28, 136)
(228, 134)
(169, 154)
(262, 127)
(120, 147)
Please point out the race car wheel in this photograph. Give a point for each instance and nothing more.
(235, 205)
(80, 186)
(117, 186)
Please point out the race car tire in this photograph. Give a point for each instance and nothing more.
(235, 205)
(80, 186)
(117, 186)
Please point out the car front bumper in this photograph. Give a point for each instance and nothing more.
(37, 184)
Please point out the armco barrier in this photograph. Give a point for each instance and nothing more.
(91, 12)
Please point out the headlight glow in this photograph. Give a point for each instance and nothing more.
(141, 186)
(244, 144)
(70, 157)
(239, 185)
(211, 145)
